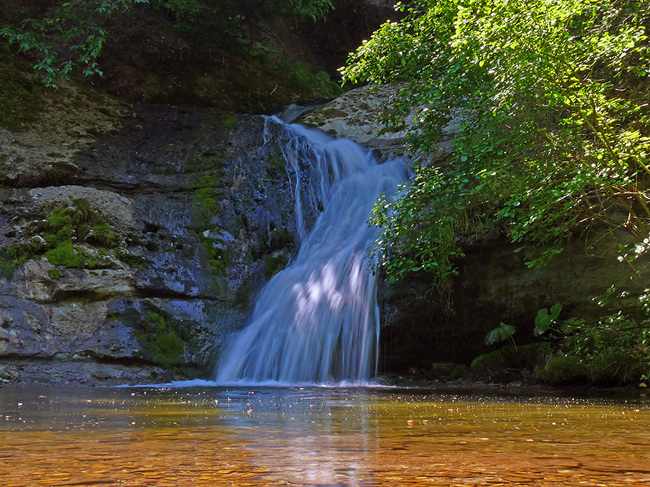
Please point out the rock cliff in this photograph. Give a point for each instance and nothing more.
(134, 239)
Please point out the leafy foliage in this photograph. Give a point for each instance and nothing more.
(500, 333)
(613, 349)
(545, 319)
(553, 125)
(72, 34)
(548, 99)
(623, 330)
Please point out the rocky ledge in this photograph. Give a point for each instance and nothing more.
(132, 243)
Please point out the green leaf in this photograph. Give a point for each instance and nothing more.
(499, 334)
(555, 311)
(543, 322)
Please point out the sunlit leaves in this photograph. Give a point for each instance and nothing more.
(545, 319)
(552, 97)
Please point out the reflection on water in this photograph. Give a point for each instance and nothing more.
(316, 436)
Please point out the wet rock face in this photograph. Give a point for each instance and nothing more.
(357, 115)
(494, 286)
(138, 265)
(131, 255)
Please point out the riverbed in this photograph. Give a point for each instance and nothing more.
(195, 434)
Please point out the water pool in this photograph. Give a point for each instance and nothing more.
(200, 436)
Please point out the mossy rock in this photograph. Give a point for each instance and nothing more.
(64, 229)
(564, 370)
(444, 372)
(274, 264)
(158, 333)
(229, 121)
(54, 274)
(65, 255)
(508, 363)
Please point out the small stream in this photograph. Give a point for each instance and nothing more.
(196, 434)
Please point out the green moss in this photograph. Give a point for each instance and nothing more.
(195, 164)
(206, 197)
(82, 232)
(218, 267)
(274, 264)
(130, 259)
(61, 236)
(228, 121)
(205, 161)
(506, 364)
(218, 257)
(103, 234)
(61, 217)
(157, 332)
(65, 255)
(83, 206)
(564, 370)
(488, 360)
(168, 347)
(157, 322)
(444, 372)
(66, 226)
(205, 202)
(205, 210)
(54, 274)
(12, 252)
(14, 256)
(7, 268)
(204, 190)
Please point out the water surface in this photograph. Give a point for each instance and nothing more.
(191, 436)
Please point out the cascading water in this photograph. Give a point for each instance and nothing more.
(317, 321)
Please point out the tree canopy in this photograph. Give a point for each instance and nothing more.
(551, 101)
(553, 140)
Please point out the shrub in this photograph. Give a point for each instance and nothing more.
(564, 370)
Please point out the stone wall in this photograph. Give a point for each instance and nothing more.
(198, 213)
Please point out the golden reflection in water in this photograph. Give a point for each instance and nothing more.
(317, 438)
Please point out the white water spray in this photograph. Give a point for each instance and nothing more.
(317, 321)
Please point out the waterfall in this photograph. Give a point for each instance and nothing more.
(317, 321)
